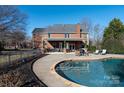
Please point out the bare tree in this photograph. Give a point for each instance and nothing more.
(18, 37)
(86, 25)
(97, 36)
(11, 20)
(95, 32)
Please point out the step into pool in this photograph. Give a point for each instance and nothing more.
(95, 73)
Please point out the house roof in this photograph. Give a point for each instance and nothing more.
(38, 30)
(57, 28)
(60, 28)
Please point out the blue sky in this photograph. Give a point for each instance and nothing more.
(44, 15)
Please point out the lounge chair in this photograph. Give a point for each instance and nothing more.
(103, 52)
(96, 52)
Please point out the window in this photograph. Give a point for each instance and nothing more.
(81, 30)
(49, 35)
(66, 35)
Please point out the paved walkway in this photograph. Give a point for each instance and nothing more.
(44, 71)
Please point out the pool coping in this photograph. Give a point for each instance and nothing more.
(70, 83)
(66, 81)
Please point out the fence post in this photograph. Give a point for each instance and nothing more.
(21, 55)
(9, 58)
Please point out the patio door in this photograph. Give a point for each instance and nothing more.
(60, 46)
(72, 47)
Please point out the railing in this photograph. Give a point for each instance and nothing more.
(10, 58)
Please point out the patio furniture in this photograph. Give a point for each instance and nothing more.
(86, 52)
(82, 51)
(77, 52)
(96, 52)
(103, 52)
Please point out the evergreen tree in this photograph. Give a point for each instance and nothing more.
(112, 39)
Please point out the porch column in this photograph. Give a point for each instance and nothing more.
(67, 45)
(87, 39)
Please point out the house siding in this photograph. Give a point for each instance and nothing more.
(39, 38)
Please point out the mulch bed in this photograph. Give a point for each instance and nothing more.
(20, 74)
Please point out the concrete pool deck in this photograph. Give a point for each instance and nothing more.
(44, 68)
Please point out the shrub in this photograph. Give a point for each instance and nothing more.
(91, 48)
(113, 46)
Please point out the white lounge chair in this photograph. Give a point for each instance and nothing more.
(103, 52)
(96, 52)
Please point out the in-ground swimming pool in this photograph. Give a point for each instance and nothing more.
(96, 73)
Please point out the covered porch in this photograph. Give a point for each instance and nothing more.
(69, 44)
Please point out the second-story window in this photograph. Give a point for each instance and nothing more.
(81, 30)
(49, 35)
(66, 35)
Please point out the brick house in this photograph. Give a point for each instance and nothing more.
(59, 37)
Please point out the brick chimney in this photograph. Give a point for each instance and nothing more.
(78, 28)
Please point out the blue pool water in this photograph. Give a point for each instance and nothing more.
(97, 73)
